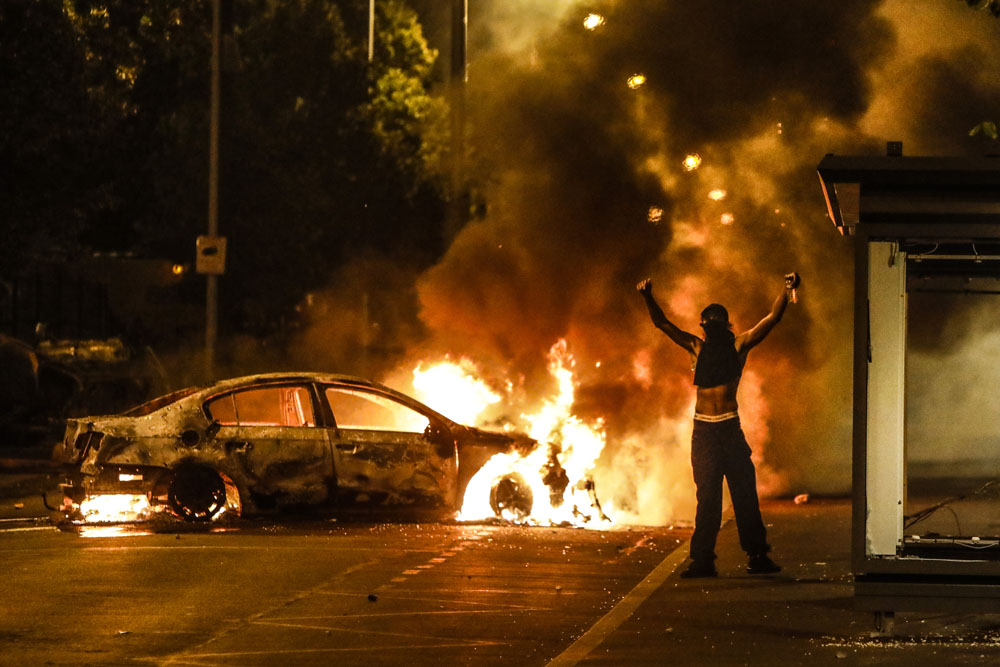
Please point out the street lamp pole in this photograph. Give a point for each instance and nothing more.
(212, 280)
(456, 84)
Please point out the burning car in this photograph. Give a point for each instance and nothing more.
(265, 442)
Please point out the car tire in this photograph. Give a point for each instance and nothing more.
(196, 492)
(510, 494)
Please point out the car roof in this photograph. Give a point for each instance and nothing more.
(230, 384)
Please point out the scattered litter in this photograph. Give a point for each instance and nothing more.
(19, 506)
(558, 589)
(123, 632)
(802, 499)
(372, 597)
(841, 655)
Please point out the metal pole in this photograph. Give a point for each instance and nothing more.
(457, 79)
(212, 286)
(371, 30)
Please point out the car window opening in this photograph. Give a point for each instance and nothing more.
(366, 411)
(266, 406)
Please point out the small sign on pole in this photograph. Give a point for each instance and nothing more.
(211, 258)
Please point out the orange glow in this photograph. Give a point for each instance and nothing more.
(641, 368)
(636, 81)
(593, 21)
(577, 444)
(177, 269)
(466, 395)
(115, 508)
(727, 218)
(692, 161)
(655, 214)
(717, 195)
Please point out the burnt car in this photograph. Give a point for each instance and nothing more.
(265, 442)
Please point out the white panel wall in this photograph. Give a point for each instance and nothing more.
(886, 392)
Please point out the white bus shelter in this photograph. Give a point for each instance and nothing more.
(926, 439)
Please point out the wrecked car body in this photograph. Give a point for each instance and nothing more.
(268, 442)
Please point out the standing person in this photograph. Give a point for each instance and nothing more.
(718, 447)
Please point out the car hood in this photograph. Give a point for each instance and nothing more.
(501, 441)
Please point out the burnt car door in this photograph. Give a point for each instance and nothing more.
(387, 451)
(270, 438)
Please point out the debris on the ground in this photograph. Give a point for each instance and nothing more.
(802, 499)
(372, 597)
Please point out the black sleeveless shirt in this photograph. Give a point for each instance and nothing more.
(718, 362)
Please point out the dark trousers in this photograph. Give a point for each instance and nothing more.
(719, 449)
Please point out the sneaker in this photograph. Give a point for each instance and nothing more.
(761, 564)
(699, 569)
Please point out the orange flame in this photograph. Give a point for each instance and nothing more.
(115, 508)
(467, 395)
(575, 444)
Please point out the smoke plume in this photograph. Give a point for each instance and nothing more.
(586, 192)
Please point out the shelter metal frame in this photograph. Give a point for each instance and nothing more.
(940, 218)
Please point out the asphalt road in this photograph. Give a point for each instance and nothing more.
(399, 592)
(320, 591)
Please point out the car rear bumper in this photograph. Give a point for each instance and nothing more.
(114, 493)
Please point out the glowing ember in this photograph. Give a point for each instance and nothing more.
(717, 195)
(692, 161)
(655, 214)
(636, 81)
(114, 508)
(593, 21)
(467, 396)
(727, 218)
(569, 496)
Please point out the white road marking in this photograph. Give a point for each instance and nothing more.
(341, 617)
(27, 529)
(418, 598)
(195, 659)
(600, 631)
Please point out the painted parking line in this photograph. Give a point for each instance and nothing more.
(600, 631)
(26, 529)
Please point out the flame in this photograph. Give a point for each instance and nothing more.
(593, 21)
(467, 396)
(115, 508)
(692, 161)
(717, 194)
(655, 214)
(727, 219)
(562, 436)
(636, 81)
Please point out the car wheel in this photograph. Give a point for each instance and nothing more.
(511, 497)
(196, 493)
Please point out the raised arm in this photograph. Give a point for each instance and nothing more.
(753, 337)
(686, 340)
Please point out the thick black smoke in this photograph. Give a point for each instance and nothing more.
(585, 193)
